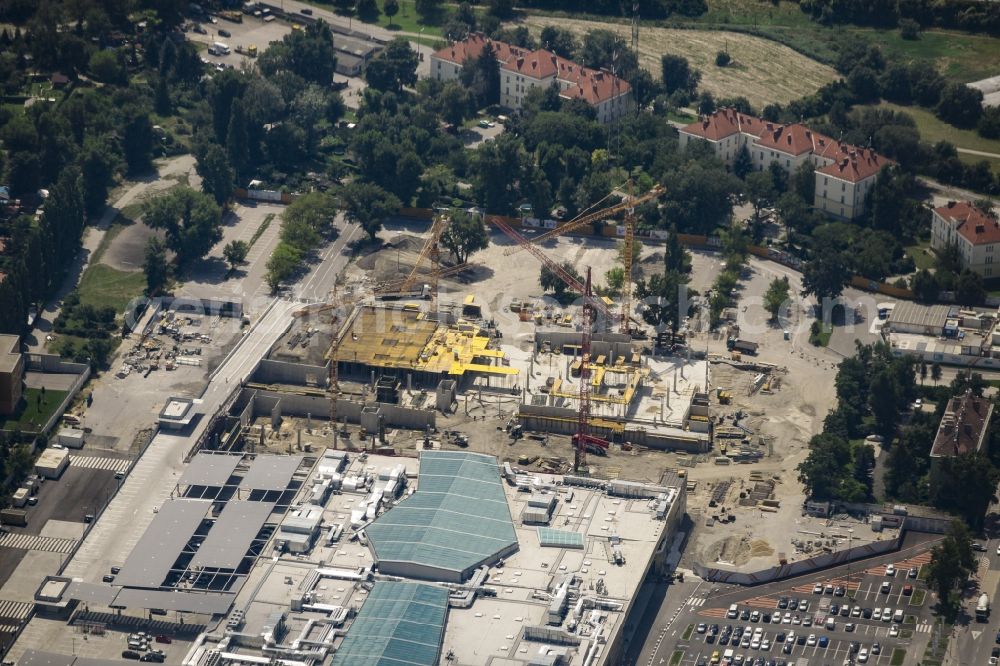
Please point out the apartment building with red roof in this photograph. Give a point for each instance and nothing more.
(844, 174)
(521, 70)
(973, 232)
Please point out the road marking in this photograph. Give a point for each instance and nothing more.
(700, 601)
(14, 610)
(976, 634)
(35, 542)
(119, 465)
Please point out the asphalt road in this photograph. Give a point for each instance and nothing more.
(973, 641)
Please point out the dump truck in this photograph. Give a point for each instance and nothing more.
(235, 17)
(250, 51)
(744, 346)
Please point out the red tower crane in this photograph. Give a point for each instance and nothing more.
(582, 440)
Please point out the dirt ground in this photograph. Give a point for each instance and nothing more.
(751, 73)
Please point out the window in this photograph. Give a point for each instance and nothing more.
(841, 211)
(989, 271)
(843, 187)
(841, 198)
(824, 194)
(989, 260)
(824, 181)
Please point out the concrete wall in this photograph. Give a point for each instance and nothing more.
(205, 306)
(802, 566)
(318, 406)
(283, 372)
(563, 421)
(53, 363)
(611, 345)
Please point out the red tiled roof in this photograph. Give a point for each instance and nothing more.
(584, 83)
(593, 86)
(538, 64)
(473, 45)
(973, 224)
(856, 165)
(726, 122)
(963, 425)
(794, 139)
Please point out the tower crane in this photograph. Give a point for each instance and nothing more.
(430, 250)
(560, 272)
(582, 220)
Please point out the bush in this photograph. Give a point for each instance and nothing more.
(722, 59)
(909, 29)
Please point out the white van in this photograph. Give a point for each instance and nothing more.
(734, 612)
(898, 616)
(830, 624)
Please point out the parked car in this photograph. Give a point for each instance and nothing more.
(224, 33)
(890, 570)
(130, 654)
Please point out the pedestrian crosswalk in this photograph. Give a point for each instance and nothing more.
(14, 610)
(923, 628)
(36, 542)
(119, 465)
(696, 601)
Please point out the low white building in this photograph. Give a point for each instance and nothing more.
(973, 232)
(845, 174)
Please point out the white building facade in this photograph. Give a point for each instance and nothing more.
(975, 234)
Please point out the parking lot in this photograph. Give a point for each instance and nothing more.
(838, 617)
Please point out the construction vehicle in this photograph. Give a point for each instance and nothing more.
(229, 15)
(744, 346)
(725, 397)
(249, 51)
(592, 444)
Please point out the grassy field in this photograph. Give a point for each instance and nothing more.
(933, 130)
(102, 285)
(921, 258)
(35, 410)
(752, 72)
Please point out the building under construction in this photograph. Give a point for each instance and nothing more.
(418, 348)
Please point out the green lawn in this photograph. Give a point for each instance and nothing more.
(34, 411)
(116, 228)
(408, 20)
(933, 130)
(102, 285)
(687, 632)
(676, 657)
(898, 655)
(821, 339)
(920, 252)
(973, 159)
(918, 598)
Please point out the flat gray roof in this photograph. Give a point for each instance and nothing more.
(270, 472)
(230, 537)
(160, 545)
(91, 593)
(915, 314)
(212, 603)
(41, 658)
(209, 469)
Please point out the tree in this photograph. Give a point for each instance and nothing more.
(558, 40)
(137, 141)
(98, 165)
(367, 10)
(394, 67)
(237, 140)
(456, 103)
(822, 471)
(502, 9)
(908, 28)
(967, 486)
(677, 74)
(615, 279)
(105, 67)
(936, 372)
(465, 234)
(284, 261)
(863, 82)
(192, 221)
(923, 371)
(390, 8)
(925, 285)
(155, 266)
(742, 163)
(550, 280)
(217, 176)
(706, 103)
(760, 190)
(969, 290)
(960, 105)
(428, 9)
(825, 275)
(722, 59)
(367, 204)
(884, 402)
(776, 296)
(315, 210)
(482, 76)
(235, 253)
(952, 562)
